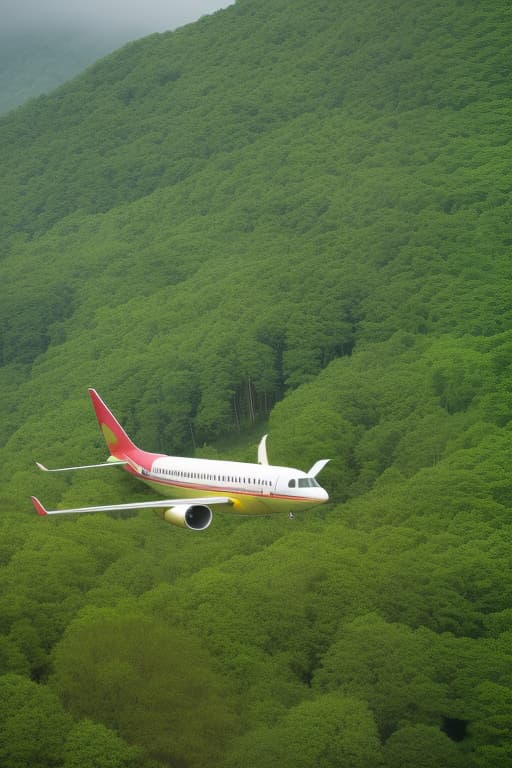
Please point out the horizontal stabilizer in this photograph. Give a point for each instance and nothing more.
(113, 463)
(317, 467)
(161, 504)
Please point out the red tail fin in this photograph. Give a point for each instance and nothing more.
(39, 507)
(118, 442)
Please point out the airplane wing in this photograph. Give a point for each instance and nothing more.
(162, 504)
(112, 463)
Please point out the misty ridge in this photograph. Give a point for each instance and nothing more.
(125, 16)
(35, 61)
(38, 57)
(44, 44)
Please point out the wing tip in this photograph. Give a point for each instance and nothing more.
(38, 506)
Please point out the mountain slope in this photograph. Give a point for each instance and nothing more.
(137, 120)
(369, 169)
(290, 214)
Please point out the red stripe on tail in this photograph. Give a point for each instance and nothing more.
(118, 442)
(39, 507)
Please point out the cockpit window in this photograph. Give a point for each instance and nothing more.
(308, 482)
(291, 484)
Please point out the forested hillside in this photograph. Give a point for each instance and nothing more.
(286, 217)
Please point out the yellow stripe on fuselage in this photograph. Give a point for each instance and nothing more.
(244, 502)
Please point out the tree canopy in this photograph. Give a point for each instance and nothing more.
(286, 217)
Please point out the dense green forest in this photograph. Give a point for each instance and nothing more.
(287, 217)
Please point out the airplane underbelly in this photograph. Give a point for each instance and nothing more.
(244, 503)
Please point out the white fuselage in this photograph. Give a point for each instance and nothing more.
(254, 488)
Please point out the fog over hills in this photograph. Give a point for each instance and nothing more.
(42, 44)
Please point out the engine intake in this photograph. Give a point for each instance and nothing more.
(197, 517)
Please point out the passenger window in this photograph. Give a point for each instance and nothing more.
(291, 484)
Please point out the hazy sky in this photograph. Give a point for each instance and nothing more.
(146, 15)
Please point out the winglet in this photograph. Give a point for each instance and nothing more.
(41, 467)
(39, 507)
(262, 451)
(317, 467)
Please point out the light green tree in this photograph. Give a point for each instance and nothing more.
(331, 731)
(33, 724)
(422, 746)
(91, 745)
(391, 667)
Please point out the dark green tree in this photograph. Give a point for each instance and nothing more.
(153, 684)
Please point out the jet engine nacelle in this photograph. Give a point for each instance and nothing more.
(197, 517)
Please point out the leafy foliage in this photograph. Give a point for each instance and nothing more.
(291, 217)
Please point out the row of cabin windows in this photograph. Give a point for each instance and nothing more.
(220, 478)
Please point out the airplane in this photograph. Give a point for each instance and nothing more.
(194, 486)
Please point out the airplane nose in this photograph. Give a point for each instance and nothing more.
(323, 495)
